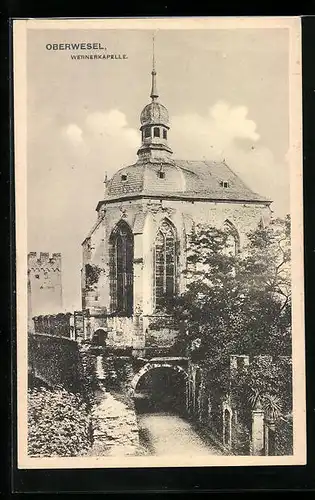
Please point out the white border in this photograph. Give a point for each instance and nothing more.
(20, 28)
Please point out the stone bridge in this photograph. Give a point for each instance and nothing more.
(56, 361)
(157, 384)
(173, 364)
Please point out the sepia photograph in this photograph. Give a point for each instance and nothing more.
(159, 240)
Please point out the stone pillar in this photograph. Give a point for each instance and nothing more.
(137, 273)
(148, 236)
(72, 329)
(87, 329)
(269, 437)
(227, 414)
(138, 338)
(257, 441)
(188, 393)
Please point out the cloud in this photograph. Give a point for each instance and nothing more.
(223, 132)
(104, 141)
(226, 132)
(108, 140)
(259, 169)
(209, 135)
(233, 121)
(73, 133)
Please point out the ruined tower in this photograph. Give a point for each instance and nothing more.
(44, 284)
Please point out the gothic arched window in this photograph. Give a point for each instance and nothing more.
(121, 270)
(164, 264)
(233, 239)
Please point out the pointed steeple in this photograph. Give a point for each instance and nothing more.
(154, 93)
(154, 127)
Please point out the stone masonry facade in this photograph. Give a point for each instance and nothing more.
(143, 217)
(44, 285)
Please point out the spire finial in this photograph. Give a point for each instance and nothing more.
(153, 52)
(154, 93)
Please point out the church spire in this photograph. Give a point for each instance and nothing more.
(154, 127)
(154, 93)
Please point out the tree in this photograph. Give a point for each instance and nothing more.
(236, 303)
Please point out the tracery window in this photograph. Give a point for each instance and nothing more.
(121, 270)
(164, 264)
(233, 240)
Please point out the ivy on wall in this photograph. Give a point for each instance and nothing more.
(92, 274)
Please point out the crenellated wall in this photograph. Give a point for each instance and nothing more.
(44, 284)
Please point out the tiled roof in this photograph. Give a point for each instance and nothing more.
(154, 113)
(181, 178)
(133, 183)
(206, 177)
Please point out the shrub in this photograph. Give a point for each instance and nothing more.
(58, 424)
(284, 436)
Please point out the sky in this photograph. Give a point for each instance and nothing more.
(227, 93)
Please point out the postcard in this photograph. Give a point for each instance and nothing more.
(159, 242)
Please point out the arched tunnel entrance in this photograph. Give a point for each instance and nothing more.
(161, 389)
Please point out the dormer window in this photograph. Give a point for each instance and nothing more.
(224, 184)
(124, 177)
(156, 132)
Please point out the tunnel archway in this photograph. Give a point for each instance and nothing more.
(99, 337)
(160, 388)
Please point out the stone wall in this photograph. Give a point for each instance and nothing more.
(44, 284)
(116, 373)
(144, 217)
(214, 411)
(242, 427)
(55, 360)
(54, 324)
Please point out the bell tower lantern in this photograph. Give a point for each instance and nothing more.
(154, 127)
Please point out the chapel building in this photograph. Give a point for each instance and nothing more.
(135, 254)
